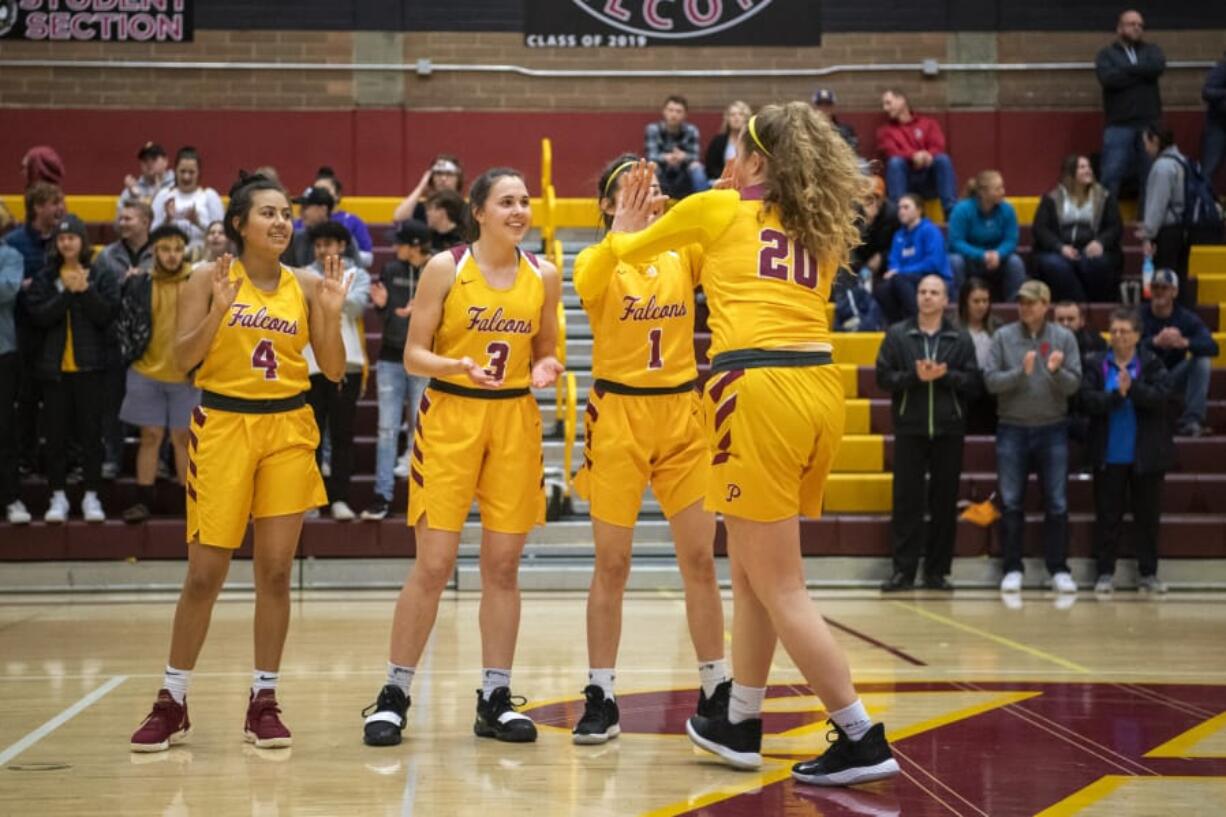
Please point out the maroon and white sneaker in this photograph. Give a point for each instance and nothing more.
(264, 727)
(166, 726)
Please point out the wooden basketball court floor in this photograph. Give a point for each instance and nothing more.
(1099, 708)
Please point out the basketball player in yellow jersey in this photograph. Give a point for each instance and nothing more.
(484, 330)
(244, 323)
(643, 425)
(774, 411)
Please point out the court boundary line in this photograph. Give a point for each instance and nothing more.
(999, 639)
(59, 720)
(895, 651)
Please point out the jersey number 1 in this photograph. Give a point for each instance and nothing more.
(655, 339)
(774, 255)
(265, 357)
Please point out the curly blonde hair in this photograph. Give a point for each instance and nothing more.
(813, 179)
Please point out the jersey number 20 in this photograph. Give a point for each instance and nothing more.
(773, 260)
(264, 357)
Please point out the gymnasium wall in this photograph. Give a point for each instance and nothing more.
(380, 129)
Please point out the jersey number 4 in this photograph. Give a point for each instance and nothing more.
(264, 356)
(783, 259)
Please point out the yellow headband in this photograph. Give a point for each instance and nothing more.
(753, 134)
(617, 171)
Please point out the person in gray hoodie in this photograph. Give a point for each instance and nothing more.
(1033, 369)
(1162, 233)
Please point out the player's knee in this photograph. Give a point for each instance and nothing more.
(432, 575)
(612, 570)
(273, 578)
(696, 565)
(202, 583)
(500, 572)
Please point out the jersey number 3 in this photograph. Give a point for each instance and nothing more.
(776, 253)
(265, 357)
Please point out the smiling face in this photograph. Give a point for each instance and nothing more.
(68, 245)
(507, 212)
(215, 240)
(269, 224)
(187, 175)
(1085, 171)
(132, 224)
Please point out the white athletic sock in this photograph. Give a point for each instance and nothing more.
(745, 703)
(398, 676)
(603, 678)
(263, 679)
(712, 674)
(492, 678)
(175, 682)
(853, 719)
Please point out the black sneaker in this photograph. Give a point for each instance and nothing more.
(385, 718)
(739, 744)
(497, 718)
(848, 762)
(600, 718)
(941, 583)
(377, 510)
(898, 583)
(717, 705)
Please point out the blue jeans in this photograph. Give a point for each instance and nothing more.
(394, 385)
(1213, 148)
(896, 297)
(1046, 447)
(1123, 157)
(1191, 377)
(937, 180)
(1005, 280)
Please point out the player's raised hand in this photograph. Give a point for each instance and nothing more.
(225, 290)
(546, 371)
(334, 286)
(637, 201)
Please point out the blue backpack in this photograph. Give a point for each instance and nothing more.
(1200, 208)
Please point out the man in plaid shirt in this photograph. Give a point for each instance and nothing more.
(672, 143)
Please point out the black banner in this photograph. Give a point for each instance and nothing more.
(639, 23)
(139, 21)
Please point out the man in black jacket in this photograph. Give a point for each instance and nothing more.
(1213, 144)
(1128, 70)
(1125, 391)
(928, 365)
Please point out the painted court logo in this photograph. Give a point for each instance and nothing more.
(672, 19)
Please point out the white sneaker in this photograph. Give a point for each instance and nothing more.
(1063, 583)
(1105, 585)
(402, 467)
(1151, 584)
(325, 468)
(91, 508)
(1012, 582)
(17, 513)
(341, 512)
(311, 513)
(57, 512)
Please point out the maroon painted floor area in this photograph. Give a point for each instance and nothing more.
(1015, 760)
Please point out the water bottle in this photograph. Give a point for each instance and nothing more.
(1147, 276)
(866, 279)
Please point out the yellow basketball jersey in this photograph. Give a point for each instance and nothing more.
(257, 351)
(642, 316)
(494, 327)
(765, 291)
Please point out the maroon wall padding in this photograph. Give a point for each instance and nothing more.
(382, 152)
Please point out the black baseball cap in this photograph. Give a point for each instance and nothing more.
(150, 150)
(823, 96)
(316, 196)
(412, 232)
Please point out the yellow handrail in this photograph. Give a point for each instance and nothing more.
(546, 164)
(560, 352)
(569, 429)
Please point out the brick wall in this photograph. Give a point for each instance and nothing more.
(333, 90)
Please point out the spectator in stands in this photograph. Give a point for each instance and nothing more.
(918, 249)
(444, 173)
(44, 209)
(326, 178)
(1070, 315)
(1213, 145)
(447, 218)
(1033, 369)
(927, 363)
(975, 316)
(913, 148)
(1128, 70)
(130, 255)
(315, 207)
(10, 285)
(187, 205)
(1185, 346)
(672, 143)
(216, 244)
(1125, 392)
(155, 176)
(393, 295)
(1077, 232)
(1164, 237)
(824, 100)
(42, 164)
(158, 396)
(74, 306)
(722, 147)
(983, 236)
(335, 404)
(877, 229)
